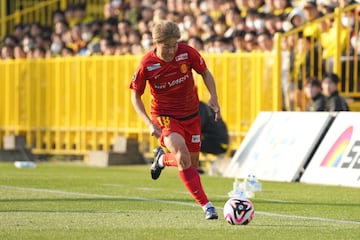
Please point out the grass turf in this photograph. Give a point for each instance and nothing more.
(72, 201)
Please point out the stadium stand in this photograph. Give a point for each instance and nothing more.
(268, 37)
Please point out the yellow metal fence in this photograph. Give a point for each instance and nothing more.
(73, 105)
(30, 11)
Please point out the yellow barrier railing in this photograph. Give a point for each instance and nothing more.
(72, 105)
(41, 11)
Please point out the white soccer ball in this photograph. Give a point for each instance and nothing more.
(238, 211)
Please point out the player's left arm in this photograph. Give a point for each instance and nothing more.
(210, 84)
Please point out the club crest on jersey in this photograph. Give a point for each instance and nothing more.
(182, 56)
(195, 138)
(153, 67)
(183, 68)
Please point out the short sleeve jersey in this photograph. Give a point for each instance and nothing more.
(172, 85)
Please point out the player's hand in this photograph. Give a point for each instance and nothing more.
(155, 130)
(214, 105)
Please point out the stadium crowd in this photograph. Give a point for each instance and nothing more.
(211, 26)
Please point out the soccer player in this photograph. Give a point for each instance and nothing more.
(174, 108)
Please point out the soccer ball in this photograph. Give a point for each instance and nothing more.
(238, 211)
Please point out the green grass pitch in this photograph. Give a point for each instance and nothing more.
(73, 201)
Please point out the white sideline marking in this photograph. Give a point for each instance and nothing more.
(184, 192)
(169, 202)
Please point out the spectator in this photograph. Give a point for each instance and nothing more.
(133, 12)
(239, 41)
(294, 19)
(28, 44)
(259, 22)
(18, 32)
(19, 52)
(270, 23)
(250, 41)
(159, 14)
(265, 41)
(196, 42)
(146, 13)
(60, 27)
(58, 16)
(7, 52)
(113, 9)
(233, 18)
(69, 15)
(124, 27)
(76, 43)
(313, 91)
(335, 102)
(87, 34)
(205, 26)
(268, 6)
(67, 52)
(109, 47)
(38, 52)
(146, 41)
(93, 48)
(328, 43)
(10, 40)
(214, 10)
(220, 26)
(35, 29)
(278, 22)
(281, 7)
(134, 37)
(80, 14)
(250, 19)
(311, 13)
(174, 16)
(56, 45)
(136, 49)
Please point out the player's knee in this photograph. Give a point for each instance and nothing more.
(183, 158)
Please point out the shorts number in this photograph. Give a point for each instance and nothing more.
(164, 121)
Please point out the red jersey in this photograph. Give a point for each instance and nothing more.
(172, 85)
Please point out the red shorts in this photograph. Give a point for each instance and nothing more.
(189, 129)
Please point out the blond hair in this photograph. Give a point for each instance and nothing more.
(165, 30)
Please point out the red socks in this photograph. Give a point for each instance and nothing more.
(191, 179)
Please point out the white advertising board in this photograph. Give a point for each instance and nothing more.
(278, 145)
(337, 160)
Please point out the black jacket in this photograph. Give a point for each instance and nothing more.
(317, 104)
(215, 136)
(336, 103)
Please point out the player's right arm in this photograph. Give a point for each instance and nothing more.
(139, 107)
